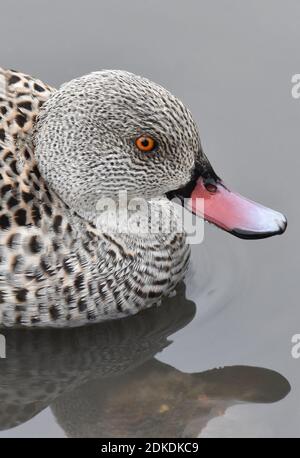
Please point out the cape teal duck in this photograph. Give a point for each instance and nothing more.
(63, 150)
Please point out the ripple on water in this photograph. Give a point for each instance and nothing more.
(219, 273)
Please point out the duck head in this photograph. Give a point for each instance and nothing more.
(113, 131)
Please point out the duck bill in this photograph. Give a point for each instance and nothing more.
(232, 212)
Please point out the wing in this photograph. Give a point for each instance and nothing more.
(32, 229)
(21, 97)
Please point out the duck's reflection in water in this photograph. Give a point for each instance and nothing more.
(103, 380)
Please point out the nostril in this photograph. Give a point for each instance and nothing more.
(211, 187)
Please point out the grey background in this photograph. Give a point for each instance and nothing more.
(231, 62)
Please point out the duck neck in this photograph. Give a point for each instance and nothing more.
(136, 220)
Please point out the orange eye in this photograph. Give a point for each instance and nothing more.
(145, 143)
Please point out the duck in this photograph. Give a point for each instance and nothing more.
(74, 162)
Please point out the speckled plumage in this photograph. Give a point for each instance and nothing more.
(56, 267)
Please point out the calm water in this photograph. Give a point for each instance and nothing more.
(216, 359)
